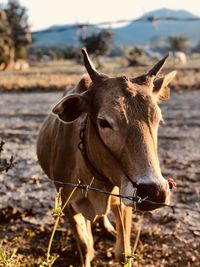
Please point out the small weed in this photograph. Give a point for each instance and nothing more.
(57, 212)
(9, 258)
(129, 258)
(5, 164)
(50, 261)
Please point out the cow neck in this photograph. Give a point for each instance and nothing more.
(82, 147)
(89, 164)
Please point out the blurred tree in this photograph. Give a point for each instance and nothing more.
(15, 36)
(178, 43)
(134, 57)
(39, 53)
(6, 43)
(98, 43)
(52, 53)
(20, 31)
(196, 49)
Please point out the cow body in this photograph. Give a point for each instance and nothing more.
(62, 161)
(121, 143)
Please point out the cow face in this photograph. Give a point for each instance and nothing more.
(121, 134)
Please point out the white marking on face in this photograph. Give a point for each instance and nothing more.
(121, 107)
(149, 178)
(129, 190)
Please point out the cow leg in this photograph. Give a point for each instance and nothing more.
(123, 217)
(107, 226)
(81, 228)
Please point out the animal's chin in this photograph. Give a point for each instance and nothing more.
(147, 206)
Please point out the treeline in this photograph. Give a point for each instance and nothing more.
(15, 36)
(96, 43)
(54, 52)
(16, 40)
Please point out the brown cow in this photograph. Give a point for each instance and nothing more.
(120, 118)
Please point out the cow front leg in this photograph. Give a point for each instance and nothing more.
(123, 217)
(81, 228)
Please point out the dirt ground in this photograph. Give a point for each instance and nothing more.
(26, 195)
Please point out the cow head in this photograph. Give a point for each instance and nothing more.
(121, 134)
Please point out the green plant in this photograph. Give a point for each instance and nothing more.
(5, 164)
(9, 258)
(129, 258)
(49, 261)
(57, 212)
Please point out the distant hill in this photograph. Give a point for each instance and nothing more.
(143, 32)
(140, 32)
(59, 35)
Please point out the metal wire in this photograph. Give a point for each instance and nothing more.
(134, 199)
(150, 19)
(88, 187)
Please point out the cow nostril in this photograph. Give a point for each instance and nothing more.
(152, 191)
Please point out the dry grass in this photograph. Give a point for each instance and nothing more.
(37, 81)
(61, 74)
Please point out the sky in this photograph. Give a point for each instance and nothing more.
(45, 13)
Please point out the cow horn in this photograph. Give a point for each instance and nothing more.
(158, 67)
(93, 73)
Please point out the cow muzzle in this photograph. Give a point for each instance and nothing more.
(154, 196)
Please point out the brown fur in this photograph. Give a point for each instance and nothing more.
(127, 147)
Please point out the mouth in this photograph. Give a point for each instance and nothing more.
(148, 205)
(153, 196)
(149, 197)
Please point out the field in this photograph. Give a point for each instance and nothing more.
(56, 75)
(168, 239)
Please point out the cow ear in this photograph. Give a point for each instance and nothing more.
(160, 86)
(71, 107)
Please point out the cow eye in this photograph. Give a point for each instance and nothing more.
(104, 124)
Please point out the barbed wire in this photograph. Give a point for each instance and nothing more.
(108, 24)
(134, 199)
(151, 19)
